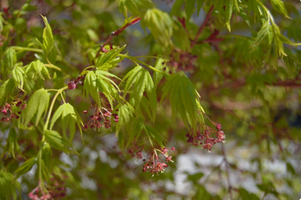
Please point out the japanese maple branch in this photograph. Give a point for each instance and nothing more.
(202, 26)
(116, 33)
(242, 82)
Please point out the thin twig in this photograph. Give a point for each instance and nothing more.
(116, 33)
(215, 168)
(227, 171)
(202, 26)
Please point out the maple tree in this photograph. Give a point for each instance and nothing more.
(99, 98)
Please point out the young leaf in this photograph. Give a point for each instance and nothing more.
(189, 7)
(19, 76)
(199, 5)
(109, 59)
(278, 5)
(160, 64)
(183, 98)
(229, 9)
(6, 89)
(12, 145)
(142, 81)
(37, 105)
(37, 67)
(10, 58)
(56, 141)
(69, 116)
(48, 41)
(96, 82)
(155, 135)
(8, 186)
(264, 31)
(160, 24)
(125, 113)
(25, 167)
(176, 7)
(136, 7)
(137, 128)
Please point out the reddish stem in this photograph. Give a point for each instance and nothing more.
(202, 26)
(116, 33)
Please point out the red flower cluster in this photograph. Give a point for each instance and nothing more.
(182, 61)
(54, 191)
(204, 139)
(13, 110)
(101, 118)
(155, 163)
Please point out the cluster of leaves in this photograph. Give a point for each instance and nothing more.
(131, 99)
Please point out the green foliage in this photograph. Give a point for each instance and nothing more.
(58, 142)
(143, 82)
(37, 67)
(183, 99)
(279, 6)
(12, 145)
(10, 59)
(69, 117)
(97, 82)
(8, 185)
(160, 24)
(25, 167)
(90, 68)
(18, 76)
(37, 105)
(135, 7)
(6, 89)
(109, 60)
(48, 41)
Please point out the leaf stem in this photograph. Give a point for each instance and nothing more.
(53, 67)
(143, 63)
(52, 104)
(27, 49)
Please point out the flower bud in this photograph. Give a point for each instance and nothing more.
(71, 85)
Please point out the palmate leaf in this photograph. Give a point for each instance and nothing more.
(183, 99)
(69, 117)
(189, 7)
(160, 24)
(37, 105)
(176, 7)
(12, 145)
(6, 89)
(152, 134)
(58, 142)
(135, 7)
(278, 5)
(25, 167)
(264, 31)
(125, 113)
(8, 186)
(229, 10)
(160, 64)
(48, 41)
(109, 59)
(37, 67)
(142, 82)
(98, 81)
(19, 76)
(10, 58)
